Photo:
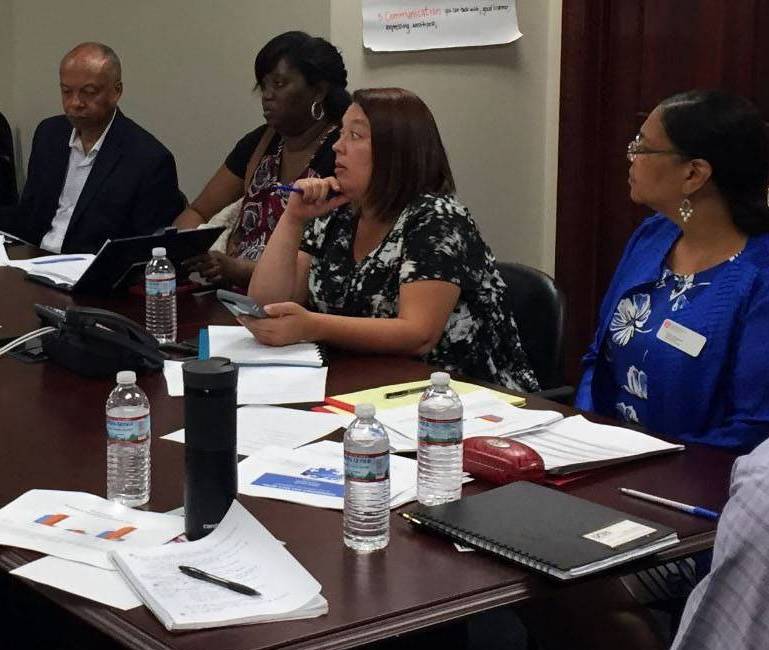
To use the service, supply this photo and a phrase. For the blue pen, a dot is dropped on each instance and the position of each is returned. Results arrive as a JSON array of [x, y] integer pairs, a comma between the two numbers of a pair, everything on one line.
[[676, 505], [59, 259], [299, 190]]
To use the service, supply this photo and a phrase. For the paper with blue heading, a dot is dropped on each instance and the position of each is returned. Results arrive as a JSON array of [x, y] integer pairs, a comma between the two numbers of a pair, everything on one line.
[[314, 475]]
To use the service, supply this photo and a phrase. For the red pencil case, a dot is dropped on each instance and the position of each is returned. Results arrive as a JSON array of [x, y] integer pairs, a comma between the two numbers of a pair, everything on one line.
[[501, 460]]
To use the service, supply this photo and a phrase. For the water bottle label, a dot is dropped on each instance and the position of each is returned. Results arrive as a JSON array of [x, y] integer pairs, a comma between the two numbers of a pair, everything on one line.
[[166, 287], [440, 432], [132, 429], [367, 467]]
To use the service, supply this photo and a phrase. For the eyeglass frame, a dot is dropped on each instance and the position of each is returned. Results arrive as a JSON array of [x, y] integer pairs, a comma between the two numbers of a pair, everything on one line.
[[635, 148]]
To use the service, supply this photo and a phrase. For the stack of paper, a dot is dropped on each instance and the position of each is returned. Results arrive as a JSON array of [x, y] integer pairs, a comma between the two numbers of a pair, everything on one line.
[[264, 426], [80, 526], [576, 444], [483, 415], [59, 269], [238, 345], [264, 384], [239, 550]]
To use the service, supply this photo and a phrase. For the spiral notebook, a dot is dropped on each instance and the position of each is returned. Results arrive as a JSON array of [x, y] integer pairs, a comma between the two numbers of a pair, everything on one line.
[[553, 532], [238, 345]]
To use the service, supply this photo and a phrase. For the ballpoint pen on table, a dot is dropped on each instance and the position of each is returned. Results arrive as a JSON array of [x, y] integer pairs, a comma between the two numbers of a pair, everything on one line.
[[59, 260], [407, 391], [199, 574], [676, 505]]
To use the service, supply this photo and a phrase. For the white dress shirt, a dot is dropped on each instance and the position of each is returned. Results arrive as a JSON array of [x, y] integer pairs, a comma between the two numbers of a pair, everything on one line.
[[78, 169]]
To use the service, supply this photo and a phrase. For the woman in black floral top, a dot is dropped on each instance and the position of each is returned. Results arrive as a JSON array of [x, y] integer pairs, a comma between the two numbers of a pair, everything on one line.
[[398, 265]]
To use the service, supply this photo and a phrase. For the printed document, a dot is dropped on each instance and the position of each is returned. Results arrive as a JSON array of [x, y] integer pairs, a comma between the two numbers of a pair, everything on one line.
[[575, 444], [60, 269], [314, 475], [81, 527], [483, 415], [264, 426], [240, 550]]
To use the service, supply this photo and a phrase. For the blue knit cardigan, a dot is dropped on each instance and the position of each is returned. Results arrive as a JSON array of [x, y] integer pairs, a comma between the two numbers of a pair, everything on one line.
[[720, 397]]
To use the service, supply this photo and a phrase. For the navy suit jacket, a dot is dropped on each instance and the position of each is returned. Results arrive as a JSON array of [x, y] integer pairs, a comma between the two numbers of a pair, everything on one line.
[[132, 188]]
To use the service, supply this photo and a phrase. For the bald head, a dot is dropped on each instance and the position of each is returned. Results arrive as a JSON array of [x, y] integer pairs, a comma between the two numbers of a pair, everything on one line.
[[96, 56], [90, 81]]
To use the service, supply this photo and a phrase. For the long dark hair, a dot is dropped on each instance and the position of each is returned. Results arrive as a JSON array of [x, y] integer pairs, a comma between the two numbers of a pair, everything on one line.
[[316, 59], [728, 132], [408, 157]]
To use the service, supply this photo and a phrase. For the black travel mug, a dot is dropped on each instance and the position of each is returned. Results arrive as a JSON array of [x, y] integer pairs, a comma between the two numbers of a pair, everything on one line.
[[210, 443]]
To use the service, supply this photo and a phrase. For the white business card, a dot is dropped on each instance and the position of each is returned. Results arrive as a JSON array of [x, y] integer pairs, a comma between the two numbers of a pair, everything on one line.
[[620, 533]]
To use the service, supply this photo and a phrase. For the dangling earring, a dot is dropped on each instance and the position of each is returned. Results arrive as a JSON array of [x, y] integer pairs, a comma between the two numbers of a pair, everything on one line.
[[686, 210], [317, 112]]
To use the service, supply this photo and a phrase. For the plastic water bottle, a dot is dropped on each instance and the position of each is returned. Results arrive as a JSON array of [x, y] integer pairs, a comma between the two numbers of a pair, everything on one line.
[[366, 482], [160, 289], [439, 454], [128, 442]]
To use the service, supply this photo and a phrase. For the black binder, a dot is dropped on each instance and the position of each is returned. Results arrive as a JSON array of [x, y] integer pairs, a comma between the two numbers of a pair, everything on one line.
[[541, 528]]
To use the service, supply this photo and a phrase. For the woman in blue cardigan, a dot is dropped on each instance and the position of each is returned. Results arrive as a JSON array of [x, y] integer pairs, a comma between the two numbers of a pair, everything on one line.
[[682, 345]]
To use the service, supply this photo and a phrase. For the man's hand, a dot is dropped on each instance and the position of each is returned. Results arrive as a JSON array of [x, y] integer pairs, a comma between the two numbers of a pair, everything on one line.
[[288, 323]]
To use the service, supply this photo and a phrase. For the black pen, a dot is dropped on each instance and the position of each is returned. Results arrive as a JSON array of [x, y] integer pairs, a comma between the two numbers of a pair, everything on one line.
[[192, 572], [406, 391]]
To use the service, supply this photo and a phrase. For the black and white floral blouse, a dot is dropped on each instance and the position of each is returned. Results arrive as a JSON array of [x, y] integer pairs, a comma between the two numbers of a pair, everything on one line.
[[434, 238]]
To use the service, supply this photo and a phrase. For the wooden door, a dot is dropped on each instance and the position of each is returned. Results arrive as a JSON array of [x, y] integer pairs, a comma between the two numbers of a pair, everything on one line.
[[619, 59]]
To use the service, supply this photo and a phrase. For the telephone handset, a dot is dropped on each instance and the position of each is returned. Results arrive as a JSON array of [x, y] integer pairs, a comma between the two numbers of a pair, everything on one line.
[[98, 343]]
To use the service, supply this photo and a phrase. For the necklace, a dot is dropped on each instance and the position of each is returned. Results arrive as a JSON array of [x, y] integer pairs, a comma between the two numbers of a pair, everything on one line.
[[294, 162]]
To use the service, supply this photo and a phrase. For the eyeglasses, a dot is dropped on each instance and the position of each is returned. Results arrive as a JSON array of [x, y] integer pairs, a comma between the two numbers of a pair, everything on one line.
[[635, 148]]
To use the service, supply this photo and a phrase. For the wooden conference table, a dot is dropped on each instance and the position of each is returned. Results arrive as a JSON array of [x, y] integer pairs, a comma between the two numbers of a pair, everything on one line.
[[52, 425]]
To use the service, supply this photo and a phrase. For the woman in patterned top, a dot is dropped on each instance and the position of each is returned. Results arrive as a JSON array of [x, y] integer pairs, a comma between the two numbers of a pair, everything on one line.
[[683, 337], [302, 80], [397, 265]]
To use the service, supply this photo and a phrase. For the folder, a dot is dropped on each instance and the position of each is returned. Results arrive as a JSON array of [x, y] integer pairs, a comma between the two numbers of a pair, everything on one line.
[[550, 531]]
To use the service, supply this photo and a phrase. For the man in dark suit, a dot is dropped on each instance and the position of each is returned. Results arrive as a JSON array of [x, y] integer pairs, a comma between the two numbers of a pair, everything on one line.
[[93, 173]]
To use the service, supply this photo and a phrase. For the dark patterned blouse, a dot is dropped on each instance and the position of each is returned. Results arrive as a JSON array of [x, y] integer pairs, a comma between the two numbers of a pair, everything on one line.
[[434, 238], [262, 204]]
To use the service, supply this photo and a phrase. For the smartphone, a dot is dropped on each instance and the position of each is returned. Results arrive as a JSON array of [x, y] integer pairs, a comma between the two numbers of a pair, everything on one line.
[[240, 305]]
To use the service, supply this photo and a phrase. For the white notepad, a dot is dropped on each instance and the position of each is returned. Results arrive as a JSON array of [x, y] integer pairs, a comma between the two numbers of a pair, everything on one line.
[[238, 345], [240, 550]]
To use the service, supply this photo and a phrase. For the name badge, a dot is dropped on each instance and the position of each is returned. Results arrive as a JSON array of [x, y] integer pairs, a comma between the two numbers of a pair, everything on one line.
[[681, 338]]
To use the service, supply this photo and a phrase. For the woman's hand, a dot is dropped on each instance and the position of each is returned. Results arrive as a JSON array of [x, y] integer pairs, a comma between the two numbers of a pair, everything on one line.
[[313, 201], [214, 266], [288, 323]]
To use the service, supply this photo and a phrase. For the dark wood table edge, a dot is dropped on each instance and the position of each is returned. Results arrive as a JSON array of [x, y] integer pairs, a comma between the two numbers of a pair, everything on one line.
[[109, 621]]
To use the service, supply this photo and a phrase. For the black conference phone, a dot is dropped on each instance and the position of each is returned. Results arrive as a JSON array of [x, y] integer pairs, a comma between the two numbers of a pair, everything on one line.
[[98, 343]]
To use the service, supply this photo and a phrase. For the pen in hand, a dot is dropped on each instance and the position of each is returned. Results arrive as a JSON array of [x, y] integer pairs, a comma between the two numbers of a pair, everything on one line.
[[290, 188], [199, 574], [676, 505]]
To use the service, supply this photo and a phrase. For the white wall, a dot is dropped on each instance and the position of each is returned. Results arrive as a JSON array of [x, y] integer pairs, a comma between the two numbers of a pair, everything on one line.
[[187, 65], [497, 110], [187, 71]]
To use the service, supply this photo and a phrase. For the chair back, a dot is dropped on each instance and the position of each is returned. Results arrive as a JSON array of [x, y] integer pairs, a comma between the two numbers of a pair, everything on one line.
[[539, 311], [8, 193]]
